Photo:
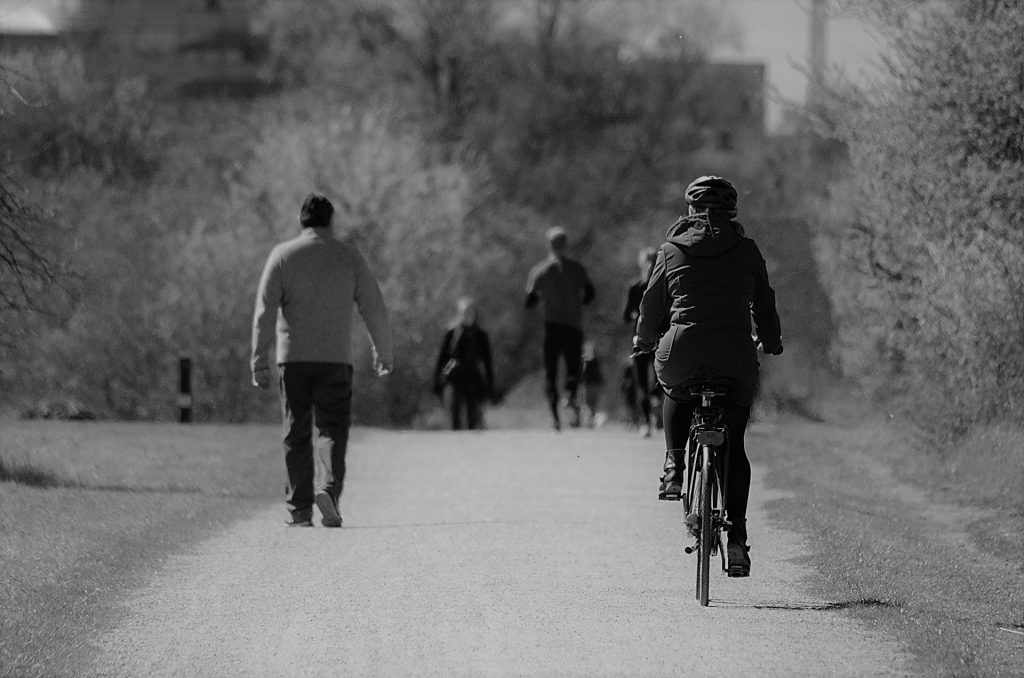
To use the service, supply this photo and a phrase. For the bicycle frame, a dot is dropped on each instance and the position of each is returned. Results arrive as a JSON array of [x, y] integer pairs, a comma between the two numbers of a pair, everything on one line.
[[707, 447]]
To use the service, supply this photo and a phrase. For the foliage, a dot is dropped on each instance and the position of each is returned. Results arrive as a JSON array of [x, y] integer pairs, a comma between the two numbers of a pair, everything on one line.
[[926, 238], [450, 137]]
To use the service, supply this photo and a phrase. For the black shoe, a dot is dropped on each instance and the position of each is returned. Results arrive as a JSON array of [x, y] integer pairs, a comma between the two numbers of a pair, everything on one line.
[[300, 521], [325, 502], [739, 559], [671, 488]]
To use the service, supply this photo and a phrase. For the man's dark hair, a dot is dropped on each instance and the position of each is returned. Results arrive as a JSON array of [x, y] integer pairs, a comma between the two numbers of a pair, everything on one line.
[[316, 212]]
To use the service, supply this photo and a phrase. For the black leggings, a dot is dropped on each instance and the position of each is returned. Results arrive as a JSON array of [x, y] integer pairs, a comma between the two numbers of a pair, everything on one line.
[[562, 341], [678, 414]]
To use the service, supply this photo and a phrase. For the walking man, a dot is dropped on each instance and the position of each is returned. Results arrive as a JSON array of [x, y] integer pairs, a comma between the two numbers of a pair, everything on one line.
[[564, 287], [308, 289]]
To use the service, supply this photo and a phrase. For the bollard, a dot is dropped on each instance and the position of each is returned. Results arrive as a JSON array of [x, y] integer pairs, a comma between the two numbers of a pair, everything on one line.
[[185, 390]]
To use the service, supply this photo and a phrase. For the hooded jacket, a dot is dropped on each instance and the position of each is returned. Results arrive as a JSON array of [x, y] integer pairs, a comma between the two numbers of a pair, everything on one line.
[[708, 281]]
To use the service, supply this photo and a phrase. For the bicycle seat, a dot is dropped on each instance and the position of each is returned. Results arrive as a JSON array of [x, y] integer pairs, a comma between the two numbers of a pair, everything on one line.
[[710, 387]]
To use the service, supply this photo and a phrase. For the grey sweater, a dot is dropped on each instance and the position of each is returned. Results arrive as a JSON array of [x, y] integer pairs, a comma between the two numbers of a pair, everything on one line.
[[309, 287]]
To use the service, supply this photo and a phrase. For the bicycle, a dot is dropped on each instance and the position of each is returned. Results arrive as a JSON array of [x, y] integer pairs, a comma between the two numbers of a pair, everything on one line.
[[706, 452]]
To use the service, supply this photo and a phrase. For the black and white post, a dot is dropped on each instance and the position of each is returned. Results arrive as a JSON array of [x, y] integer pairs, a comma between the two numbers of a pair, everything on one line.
[[185, 390]]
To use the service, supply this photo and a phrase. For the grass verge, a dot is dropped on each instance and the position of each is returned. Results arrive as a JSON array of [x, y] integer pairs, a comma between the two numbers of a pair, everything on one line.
[[890, 521], [88, 510]]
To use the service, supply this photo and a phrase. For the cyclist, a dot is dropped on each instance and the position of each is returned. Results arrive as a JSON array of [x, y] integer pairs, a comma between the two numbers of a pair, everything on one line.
[[708, 280]]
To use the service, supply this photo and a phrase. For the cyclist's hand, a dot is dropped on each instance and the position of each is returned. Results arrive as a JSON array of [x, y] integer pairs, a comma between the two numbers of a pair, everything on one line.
[[772, 350], [261, 378], [639, 350]]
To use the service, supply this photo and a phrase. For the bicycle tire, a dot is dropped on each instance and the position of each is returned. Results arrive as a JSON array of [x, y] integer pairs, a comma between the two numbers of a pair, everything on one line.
[[694, 508], [706, 538]]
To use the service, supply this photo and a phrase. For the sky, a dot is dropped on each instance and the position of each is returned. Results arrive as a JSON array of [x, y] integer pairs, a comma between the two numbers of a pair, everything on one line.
[[776, 32]]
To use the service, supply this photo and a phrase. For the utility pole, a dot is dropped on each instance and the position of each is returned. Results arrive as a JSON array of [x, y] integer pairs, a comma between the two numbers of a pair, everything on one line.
[[817, 52]]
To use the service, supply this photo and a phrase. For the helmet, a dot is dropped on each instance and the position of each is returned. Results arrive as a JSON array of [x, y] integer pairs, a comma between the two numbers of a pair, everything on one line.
[[712, 193]]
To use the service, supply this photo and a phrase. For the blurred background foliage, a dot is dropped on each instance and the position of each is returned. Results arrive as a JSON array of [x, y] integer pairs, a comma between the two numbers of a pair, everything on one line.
[[451, 136]]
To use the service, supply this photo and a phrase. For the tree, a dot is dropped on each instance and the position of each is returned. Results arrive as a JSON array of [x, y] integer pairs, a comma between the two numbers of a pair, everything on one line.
[[928, 239], [29, 263]]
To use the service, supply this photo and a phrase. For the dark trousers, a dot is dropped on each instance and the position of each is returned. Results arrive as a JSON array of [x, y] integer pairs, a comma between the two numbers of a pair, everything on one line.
[[320, 392], [466, 398], [678, 414], [642, 364], [562, 341]]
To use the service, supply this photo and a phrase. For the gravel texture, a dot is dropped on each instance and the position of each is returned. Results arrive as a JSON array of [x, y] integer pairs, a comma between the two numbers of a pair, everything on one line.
[[487, 554]]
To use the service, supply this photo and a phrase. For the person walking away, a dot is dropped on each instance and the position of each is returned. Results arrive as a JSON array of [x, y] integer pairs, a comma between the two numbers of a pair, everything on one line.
[[564, 288], [309, 287], [628, 390], [642, 363], [593, 382], [708, 281], [464, 367]]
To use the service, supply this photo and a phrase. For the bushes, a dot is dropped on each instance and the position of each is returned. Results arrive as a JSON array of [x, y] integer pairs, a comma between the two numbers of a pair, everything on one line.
[[927, 238]]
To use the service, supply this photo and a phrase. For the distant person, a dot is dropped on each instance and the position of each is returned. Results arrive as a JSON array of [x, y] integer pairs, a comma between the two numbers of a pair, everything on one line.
[[628, 390], [643, 363], [563, 286], [708, 280], [593, 383], [464, 367], [309, 287]]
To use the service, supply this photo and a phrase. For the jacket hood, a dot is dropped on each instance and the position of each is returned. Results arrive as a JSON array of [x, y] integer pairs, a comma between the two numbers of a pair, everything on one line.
[[706, 234]]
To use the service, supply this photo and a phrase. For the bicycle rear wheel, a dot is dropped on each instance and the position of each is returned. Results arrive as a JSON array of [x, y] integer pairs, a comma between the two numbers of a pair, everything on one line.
[[707, 540]]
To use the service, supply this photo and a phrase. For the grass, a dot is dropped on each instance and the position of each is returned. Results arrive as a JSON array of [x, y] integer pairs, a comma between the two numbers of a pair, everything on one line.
[[905, 528], [88, 509]]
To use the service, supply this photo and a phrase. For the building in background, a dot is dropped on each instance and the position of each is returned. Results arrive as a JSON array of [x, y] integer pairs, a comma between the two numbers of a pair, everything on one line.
[[731, 108], [180, 46]]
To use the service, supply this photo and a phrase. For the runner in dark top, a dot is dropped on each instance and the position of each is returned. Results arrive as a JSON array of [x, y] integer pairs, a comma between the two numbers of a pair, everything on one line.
[[464, 367], [564, 287], [643, 362], [708, 280]]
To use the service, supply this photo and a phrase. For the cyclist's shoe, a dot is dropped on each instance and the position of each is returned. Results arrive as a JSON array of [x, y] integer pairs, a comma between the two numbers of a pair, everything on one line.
[[300, 521], [739, 559], [671, 488], [329, 509]]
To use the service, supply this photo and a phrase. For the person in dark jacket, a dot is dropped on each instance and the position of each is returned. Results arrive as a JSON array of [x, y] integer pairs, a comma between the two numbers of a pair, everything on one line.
[[464, 367], [708, 280], [563, 286], [643, 362]]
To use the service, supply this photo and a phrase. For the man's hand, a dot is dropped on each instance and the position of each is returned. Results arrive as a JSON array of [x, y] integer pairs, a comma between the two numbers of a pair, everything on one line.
[[261, 377], [382, 367], [772, 350]]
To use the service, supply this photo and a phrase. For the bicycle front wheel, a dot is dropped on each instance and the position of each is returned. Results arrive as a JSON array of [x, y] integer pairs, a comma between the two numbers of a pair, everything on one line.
[[707, 541]]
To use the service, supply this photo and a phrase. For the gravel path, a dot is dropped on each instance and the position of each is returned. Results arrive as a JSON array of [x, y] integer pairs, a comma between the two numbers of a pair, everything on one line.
[[488, 554]]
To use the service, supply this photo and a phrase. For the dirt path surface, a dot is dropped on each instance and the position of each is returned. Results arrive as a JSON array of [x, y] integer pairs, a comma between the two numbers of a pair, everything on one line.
[[494, 554]]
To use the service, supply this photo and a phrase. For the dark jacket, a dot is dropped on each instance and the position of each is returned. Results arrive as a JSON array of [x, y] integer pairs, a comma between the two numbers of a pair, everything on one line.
[[708, 280], [470, 348], [633, 296]]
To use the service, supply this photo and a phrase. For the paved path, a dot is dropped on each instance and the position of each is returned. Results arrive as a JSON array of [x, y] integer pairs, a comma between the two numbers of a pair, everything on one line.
[[487, 554]]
